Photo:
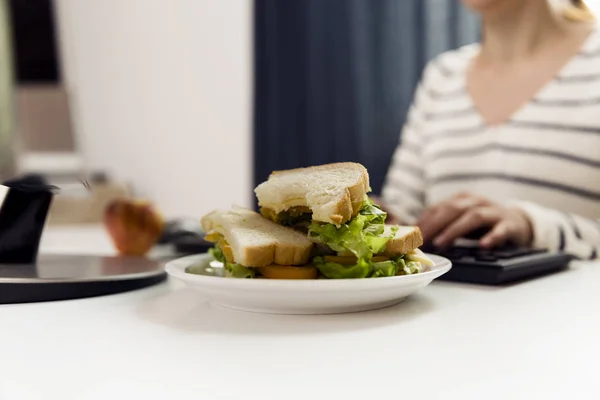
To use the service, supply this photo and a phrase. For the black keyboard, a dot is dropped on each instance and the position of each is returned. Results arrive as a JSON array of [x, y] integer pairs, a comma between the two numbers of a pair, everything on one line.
[[473, 264]]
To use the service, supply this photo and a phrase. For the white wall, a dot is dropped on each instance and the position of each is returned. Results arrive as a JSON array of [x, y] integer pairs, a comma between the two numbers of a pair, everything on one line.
[[162, 96], [594, 5]]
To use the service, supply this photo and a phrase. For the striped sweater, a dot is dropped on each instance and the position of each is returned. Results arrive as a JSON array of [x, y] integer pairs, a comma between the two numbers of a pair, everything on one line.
[[545, 159]]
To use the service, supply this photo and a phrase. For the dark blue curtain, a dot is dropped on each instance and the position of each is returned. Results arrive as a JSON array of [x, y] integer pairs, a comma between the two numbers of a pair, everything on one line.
[[334, 78]]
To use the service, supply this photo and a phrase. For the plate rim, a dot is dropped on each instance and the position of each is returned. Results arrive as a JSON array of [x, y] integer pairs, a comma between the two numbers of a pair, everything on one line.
[[176, 269]]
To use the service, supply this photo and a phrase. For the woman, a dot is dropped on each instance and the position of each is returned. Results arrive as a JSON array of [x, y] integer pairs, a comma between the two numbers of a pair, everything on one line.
[[506, 134]]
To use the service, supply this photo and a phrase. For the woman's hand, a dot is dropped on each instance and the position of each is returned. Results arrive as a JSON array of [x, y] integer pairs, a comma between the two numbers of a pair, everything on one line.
[[435, 219], [462, 214]]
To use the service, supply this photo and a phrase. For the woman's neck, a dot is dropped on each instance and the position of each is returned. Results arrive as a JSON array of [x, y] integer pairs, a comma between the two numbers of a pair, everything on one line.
[[519, 31]]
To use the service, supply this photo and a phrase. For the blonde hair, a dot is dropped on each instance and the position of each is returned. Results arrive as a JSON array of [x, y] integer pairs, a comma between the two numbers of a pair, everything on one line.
[[578, 11]]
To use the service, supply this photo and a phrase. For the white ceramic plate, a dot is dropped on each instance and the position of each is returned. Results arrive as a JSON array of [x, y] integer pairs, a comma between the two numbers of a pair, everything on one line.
[[320, 296]]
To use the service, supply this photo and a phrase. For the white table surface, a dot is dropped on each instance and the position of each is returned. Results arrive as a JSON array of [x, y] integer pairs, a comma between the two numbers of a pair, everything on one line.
[[535, 340]]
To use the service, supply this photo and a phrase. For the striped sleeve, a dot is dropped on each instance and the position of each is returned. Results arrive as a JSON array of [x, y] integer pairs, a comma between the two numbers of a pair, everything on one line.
[[404, 188], [559, 231]]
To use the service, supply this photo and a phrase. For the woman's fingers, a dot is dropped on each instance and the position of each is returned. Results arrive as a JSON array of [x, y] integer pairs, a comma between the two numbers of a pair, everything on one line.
[[469, 221], [437, 220], [426, 215], [439, 217], [498, 236]]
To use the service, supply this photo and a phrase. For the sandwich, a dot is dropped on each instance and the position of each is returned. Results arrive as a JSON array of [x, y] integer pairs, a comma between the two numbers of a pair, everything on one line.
[[250, 246], [330, 193], [331, 204], [315, 222]]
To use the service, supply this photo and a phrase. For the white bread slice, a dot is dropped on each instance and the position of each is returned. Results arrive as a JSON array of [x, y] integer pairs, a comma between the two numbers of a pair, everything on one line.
[[407, 239], [255, 241], [333, 192]]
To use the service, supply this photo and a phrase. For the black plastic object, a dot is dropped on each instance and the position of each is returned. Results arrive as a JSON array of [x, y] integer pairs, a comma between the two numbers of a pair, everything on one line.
[[191, 245], [180, 228], [186, 236], [473, 264], [62, 277], [24, 208], [30, 293]]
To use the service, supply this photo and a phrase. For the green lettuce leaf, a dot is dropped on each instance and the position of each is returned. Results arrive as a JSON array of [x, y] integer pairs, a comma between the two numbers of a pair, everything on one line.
[[363, 235], [377, 243], [217, 253], [239, 271], [374, 212], [409, 268], [384, 268], [414, 267], [362, 269], [332, 270], [235, 270]]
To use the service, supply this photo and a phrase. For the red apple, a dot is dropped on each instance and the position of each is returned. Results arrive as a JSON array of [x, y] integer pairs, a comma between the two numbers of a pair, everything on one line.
[[133, 225]]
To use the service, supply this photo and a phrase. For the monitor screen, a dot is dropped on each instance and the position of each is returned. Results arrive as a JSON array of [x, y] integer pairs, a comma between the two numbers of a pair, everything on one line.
[[34, 41]]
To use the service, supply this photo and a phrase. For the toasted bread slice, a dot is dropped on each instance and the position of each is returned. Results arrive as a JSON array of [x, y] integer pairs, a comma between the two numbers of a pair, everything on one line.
[[255, 241], [407, 239], [333, 192]]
